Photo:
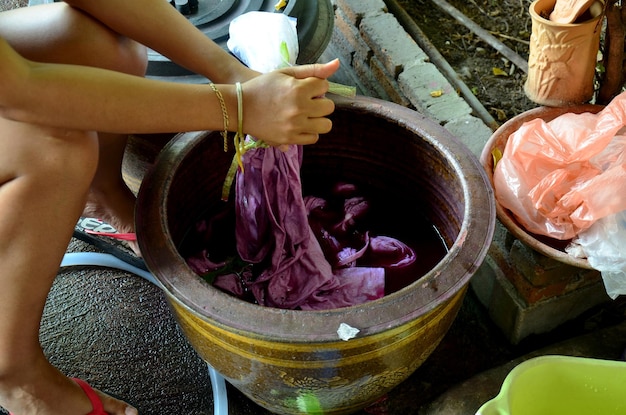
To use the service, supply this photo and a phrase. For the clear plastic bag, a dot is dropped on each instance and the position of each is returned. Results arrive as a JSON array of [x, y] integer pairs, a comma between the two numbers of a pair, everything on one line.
[[558, 177], [603, 246]]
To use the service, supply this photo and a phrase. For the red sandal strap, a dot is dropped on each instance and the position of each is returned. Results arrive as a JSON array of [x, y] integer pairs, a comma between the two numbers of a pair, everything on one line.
[[114, 235], [94, 398]]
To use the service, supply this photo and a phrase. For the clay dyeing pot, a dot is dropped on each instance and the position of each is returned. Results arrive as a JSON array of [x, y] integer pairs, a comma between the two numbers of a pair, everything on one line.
[[292, 361]]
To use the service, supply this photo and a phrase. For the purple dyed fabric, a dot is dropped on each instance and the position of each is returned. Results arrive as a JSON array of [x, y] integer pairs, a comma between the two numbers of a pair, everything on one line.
[[308, 253], [272, 227]]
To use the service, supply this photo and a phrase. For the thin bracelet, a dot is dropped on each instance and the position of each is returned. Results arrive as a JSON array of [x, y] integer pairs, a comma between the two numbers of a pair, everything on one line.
[[220, 98], [239, 137], [239, 108]]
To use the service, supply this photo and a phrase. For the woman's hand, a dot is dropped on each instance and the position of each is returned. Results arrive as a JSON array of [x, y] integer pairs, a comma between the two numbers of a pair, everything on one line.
[[287, 106]]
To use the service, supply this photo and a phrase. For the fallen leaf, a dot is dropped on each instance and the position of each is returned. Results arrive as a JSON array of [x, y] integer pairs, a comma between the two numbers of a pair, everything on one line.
[[500, 113], [496, 154], [499, 72]]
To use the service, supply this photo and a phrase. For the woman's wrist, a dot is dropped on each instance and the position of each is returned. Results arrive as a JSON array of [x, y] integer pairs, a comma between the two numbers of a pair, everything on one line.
[[230, 72]]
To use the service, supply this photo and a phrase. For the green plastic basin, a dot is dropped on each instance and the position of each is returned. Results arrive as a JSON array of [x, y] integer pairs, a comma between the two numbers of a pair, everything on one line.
[[561, 385]]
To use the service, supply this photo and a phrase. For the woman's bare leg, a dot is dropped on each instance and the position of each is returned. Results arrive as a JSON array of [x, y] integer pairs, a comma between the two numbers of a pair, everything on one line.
[[86, 43], [45, 176], [44, 179]]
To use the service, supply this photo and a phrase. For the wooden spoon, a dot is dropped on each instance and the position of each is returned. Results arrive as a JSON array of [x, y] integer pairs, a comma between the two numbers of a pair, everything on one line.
[[567, 11]]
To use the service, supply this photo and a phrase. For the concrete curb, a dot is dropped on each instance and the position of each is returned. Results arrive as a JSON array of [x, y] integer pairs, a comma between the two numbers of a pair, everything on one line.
[[386, 63]]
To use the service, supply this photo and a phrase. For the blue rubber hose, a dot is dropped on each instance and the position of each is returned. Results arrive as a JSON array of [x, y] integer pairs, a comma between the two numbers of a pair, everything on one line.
[[218, 384]]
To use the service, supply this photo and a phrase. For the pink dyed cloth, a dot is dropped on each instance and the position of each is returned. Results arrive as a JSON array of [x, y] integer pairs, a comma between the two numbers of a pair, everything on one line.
[[312, 255], [272, 226]]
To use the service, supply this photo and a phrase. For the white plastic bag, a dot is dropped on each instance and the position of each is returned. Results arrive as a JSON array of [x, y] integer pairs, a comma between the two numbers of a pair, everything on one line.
[[603, 244], [264, 41]]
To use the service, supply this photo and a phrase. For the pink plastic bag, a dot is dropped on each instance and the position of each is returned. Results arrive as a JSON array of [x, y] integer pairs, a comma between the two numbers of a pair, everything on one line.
[[559, 177]]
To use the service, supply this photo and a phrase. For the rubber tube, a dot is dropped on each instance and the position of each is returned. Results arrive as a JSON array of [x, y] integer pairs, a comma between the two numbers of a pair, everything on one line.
[[220, 398], [218, 384], [106, 260]]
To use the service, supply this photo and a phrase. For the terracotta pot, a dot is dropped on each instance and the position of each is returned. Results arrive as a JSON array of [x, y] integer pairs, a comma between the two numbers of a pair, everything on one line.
[[563, 57], [549, 247], [285, 360]]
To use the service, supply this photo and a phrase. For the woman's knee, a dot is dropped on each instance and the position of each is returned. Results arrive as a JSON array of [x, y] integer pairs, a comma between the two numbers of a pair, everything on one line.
[[70, 159], [53, 158], [92, 43], [134, 58], [59, 33]]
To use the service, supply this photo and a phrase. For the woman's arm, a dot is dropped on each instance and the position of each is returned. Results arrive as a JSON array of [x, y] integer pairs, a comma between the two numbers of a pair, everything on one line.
[[158, 25], [280, 107]]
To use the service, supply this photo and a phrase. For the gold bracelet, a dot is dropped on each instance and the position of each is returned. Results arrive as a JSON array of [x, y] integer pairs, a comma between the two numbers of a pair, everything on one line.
[[220, 98], [239, 108], [239, 136]]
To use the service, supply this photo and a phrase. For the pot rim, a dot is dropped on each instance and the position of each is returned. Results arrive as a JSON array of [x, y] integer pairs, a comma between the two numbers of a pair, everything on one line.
[[440, 284], [532, 10]]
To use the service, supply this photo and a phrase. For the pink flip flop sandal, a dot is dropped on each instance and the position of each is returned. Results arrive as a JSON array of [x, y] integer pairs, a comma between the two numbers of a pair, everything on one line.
[[106, 238]]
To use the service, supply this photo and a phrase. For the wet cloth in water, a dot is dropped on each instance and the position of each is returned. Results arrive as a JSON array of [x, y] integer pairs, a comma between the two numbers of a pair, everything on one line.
[[308, 253], [272, 227]]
